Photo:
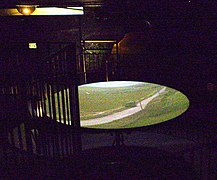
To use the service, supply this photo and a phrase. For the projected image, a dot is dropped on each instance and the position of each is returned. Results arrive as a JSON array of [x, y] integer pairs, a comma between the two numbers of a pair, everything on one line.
[[128, 104]]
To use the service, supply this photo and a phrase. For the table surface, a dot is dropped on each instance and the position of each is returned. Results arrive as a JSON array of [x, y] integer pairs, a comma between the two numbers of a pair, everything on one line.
[[128, 104]]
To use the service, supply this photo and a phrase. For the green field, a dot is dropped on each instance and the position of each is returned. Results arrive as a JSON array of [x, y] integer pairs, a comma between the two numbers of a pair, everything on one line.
[[98, 103], [165, 107]]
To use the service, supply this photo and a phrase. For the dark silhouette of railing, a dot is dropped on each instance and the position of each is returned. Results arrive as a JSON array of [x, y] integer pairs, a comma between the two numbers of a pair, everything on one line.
[[50, 95]]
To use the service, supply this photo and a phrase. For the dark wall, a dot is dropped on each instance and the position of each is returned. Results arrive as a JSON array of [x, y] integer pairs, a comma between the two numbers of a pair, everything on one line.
[[40, 28]]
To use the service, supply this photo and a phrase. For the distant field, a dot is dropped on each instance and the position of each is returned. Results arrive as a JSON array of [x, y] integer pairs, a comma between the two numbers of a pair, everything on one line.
[[98, 103]]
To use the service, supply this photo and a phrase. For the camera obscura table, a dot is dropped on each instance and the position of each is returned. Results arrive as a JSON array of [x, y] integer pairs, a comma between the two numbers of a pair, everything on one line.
[[128, 104], [119, 105]]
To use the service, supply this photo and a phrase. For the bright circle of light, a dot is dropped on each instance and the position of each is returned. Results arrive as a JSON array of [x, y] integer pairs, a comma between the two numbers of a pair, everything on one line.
[[26, 11]]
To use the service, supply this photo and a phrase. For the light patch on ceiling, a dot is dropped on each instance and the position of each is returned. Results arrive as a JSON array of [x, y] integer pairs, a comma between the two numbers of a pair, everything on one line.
[[99, 41], [45, 11]]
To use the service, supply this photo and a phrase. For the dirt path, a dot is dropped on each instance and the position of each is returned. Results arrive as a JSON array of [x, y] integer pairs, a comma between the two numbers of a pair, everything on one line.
[[121, 114]]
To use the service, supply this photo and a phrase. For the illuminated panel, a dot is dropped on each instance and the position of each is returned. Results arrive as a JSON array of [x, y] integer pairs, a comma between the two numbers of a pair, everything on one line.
[[32, 46], [41, 11]]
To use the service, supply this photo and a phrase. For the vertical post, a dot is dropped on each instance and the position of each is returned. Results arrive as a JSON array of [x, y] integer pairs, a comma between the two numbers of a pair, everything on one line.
[[107, 70], [73, 97], [119, 139], [117, 60], [84, 62], [28, 136], [81, 54], [117, 53]]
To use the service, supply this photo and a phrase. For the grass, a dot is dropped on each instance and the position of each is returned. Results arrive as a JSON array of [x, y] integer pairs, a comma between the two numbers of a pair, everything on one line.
[[166, 106], [98, 102]]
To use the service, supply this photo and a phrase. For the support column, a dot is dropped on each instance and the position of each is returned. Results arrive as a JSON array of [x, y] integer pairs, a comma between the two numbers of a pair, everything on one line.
[[73, 82]]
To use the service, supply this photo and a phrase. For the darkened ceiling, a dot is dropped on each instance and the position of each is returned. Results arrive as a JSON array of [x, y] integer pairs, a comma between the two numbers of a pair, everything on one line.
[[166, 16], [150, 7], [52, 2]]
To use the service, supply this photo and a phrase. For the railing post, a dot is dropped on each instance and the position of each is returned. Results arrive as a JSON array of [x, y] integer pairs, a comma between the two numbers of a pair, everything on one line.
[[28, 136], [117, 53], [82, 67], [73, 97]]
